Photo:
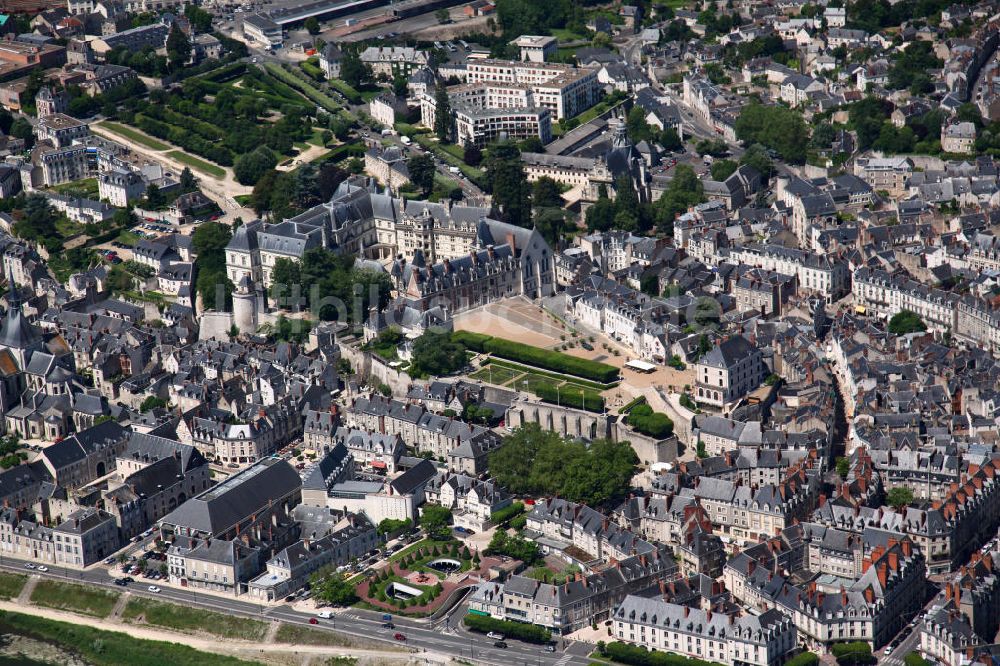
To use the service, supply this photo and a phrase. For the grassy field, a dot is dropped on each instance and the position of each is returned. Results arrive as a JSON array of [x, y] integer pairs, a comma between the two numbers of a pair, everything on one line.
[[553, 377], [201, 165], [11, 585], [299, 635], [111, 648], [133, 135], [192, 620], [303, 86], [74, 598]]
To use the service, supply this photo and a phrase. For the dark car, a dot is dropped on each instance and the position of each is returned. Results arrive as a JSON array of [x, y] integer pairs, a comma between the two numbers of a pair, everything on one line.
[[500, 644], [399, 637], [313, 620], [388, 625]]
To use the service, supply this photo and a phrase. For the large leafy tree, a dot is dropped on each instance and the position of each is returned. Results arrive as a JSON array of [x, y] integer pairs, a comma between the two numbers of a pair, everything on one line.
[[684, 191], [540, 462], [435, 520], [510, 187], [354, 72], [421, 168], [178, 47], [209, 242], [776, 127], [436, 354]]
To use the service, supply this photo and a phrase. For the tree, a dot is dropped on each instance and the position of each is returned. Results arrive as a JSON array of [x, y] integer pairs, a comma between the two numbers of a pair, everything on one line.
[[422, 170], [843, 467], [685, 190], [152, 402], [899, 497], [510, 188], [154, 198], [252, 166], [188, 182], [516, 547], [546, 193], [637, 126], [601, 216], [756, 156], [472, 155], [776, 127], [435, 354], [670, 139], [200, 19], [285, 279], [442, 114], [435, 521], [354, 72], [178, 47], [333, 589], [209, 242], [905, 322], [443, 16], [21, 129], [311, 25], [803, 659], [722, 169]]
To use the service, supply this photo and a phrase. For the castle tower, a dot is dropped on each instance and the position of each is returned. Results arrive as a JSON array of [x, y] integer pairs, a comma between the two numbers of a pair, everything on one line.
[[245, 307]]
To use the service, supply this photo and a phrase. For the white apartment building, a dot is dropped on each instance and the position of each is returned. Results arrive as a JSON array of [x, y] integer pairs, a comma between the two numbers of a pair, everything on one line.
[[823, 275], [564, 90], [120, 186]]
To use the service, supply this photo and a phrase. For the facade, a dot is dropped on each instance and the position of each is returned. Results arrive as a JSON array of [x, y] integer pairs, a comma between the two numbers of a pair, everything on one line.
[[564, 90], [727, 373], [120, 186], [758, 640], [958, 137]]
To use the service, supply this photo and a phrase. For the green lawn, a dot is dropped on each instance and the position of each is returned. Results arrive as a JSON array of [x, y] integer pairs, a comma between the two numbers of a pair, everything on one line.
[[75, 598], [564, 35], [11, 585], [208, 168], [67, 228], [133, 135], [553, 377], [192, 620], [495, 375], [432, 144], [594, 111], [243, 199], [87, 188], [111, 648], [414, 547], [304, 87]]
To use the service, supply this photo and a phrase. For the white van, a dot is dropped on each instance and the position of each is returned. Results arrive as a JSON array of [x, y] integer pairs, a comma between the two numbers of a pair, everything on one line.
[[324, 615]]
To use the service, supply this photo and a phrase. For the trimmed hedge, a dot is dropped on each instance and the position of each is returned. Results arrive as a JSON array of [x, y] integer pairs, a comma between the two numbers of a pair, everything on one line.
[[650, 423], [640, 656], [529, 633], [508, 512], [474, 341], [536, 356]]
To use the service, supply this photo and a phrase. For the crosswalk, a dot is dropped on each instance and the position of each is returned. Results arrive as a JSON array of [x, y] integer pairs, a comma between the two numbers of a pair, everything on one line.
[[564, 660]]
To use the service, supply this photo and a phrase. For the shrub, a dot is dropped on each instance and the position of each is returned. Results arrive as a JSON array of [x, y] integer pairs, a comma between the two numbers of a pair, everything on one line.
[[650, 423], [639, 656], [506, 513], [571, 396], [474, 341]]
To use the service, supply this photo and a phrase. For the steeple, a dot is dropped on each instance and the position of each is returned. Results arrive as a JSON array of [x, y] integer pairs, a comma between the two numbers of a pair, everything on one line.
[[16, 333]]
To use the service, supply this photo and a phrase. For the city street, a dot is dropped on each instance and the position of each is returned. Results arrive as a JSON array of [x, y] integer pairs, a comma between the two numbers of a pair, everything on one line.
[[421, 636]]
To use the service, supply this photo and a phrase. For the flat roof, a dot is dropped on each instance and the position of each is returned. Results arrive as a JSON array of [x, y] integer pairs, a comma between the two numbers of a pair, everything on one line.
[[641, 366]]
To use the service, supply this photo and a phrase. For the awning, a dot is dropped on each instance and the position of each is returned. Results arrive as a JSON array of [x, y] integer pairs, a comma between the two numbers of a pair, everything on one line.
[[641, 366], [378, 464], [860, 309]]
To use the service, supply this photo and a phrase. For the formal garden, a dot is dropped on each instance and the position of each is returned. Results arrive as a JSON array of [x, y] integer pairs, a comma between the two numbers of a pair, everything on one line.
[[419, 581]]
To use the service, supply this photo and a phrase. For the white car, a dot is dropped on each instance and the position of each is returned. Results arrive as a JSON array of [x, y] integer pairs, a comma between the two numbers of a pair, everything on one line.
[[324, 615], [43, 568], [29, 565], [154, 589], [494, 636]]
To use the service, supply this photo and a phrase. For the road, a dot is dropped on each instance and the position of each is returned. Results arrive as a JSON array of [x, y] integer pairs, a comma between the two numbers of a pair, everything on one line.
[[445, 637]]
